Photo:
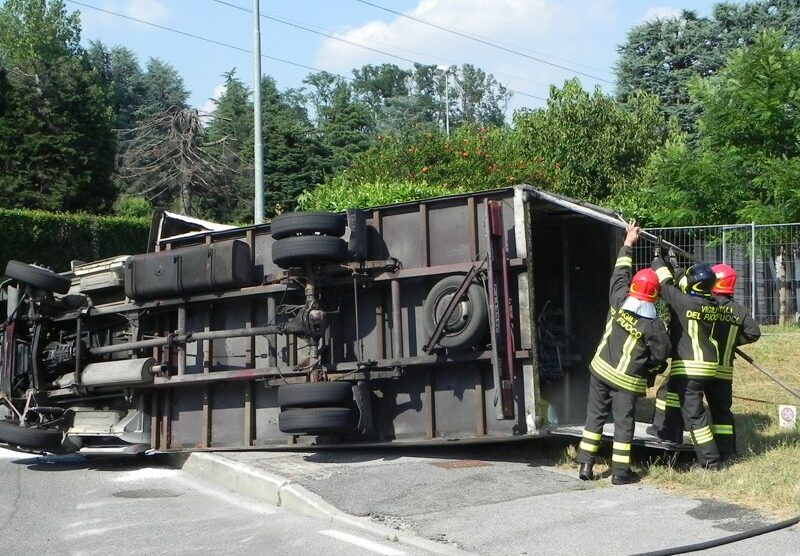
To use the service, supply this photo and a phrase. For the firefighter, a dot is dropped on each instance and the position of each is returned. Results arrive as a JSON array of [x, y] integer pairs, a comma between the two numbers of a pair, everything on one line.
[[736, 328], [635, 343], [693, 312]]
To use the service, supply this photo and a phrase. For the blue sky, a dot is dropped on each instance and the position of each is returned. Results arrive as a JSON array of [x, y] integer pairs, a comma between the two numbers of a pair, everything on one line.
[[581, 35]]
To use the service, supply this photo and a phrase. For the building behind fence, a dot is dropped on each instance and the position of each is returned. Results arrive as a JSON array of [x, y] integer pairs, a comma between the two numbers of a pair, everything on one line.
[[765, 258]]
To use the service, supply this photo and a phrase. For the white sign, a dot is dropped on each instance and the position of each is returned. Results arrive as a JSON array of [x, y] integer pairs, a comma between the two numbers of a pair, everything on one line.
[[787, 416]]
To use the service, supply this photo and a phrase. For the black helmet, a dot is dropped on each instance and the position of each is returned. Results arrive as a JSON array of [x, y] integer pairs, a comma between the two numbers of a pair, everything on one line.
[[698, 279]]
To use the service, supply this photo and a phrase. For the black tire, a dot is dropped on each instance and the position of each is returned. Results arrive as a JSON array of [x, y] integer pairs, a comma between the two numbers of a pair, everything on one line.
[[37, 277], [24, 437], [315, 394], [470, 319], [318, 420], [307, 223], [295, 251]]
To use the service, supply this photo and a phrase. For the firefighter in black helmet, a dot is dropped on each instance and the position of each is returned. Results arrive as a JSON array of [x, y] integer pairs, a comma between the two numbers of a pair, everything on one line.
[[635, 344], [693, 312], [734, 327]]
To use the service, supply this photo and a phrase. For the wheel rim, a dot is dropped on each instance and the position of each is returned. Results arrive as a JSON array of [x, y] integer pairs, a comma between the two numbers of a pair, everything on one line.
[[462, 313]]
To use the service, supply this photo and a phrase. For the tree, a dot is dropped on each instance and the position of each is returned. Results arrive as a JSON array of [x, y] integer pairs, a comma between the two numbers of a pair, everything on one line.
[[123, 80], [56, 144], [375, 84], [346, 126], [293, 152], [661, 56], [594, 145], [745, 163], [165, 157], [163, 88], [483, 101], [230, 135]]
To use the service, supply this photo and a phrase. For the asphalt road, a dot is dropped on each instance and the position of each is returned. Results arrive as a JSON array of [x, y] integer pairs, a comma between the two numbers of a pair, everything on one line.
[[69, 505], [502, 500]]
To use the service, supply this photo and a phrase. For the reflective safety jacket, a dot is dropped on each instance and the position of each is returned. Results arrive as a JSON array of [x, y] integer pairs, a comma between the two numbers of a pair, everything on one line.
[[632, 346], [736, 329], [694, 349]]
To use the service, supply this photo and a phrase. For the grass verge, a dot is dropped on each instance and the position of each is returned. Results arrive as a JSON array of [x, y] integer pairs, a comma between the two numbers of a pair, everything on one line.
[[766, 475]]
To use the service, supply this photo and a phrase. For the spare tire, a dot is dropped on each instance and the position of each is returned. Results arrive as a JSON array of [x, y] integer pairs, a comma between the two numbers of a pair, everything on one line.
[[297, 250], [38, 277], [313, 394], [307, 223], [317, 420], [470, 319], [25, 437]]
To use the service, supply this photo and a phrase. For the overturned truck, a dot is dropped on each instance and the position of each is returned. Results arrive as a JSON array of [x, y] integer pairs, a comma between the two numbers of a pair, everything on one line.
[[463, 317]]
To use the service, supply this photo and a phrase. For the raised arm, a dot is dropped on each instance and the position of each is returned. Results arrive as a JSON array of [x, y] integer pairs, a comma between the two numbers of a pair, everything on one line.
[[749, 332], [623, 267]]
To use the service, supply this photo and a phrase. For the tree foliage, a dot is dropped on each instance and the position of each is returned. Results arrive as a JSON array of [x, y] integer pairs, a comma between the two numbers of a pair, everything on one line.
[[56, 144], [583, 144], [744, 165], [662, 55], [593, 145]]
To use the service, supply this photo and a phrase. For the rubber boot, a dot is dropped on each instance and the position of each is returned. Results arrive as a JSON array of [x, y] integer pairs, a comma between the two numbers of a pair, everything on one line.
[[586, 472], [626, 477]]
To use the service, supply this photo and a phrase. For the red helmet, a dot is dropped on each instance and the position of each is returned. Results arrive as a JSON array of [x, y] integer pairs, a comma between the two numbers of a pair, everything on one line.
[[644, 285], [726, 279]]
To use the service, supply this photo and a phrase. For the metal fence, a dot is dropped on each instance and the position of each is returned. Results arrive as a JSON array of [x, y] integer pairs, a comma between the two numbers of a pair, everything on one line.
[[765, 257]]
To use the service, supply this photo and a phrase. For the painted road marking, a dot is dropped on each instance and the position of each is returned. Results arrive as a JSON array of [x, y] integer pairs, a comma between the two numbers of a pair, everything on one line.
[[362, 542]]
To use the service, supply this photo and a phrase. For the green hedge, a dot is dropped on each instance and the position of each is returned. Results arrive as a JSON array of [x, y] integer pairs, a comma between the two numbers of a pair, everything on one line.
[[54, 239]]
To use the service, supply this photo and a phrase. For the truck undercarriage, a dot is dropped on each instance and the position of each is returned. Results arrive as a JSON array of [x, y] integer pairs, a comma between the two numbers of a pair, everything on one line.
[[463, 317]]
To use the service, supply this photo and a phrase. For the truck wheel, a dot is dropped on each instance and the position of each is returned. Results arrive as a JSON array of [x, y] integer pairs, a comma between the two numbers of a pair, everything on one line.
[[313, 394], [297, 250], [470, 319], [24, 437], [317, 420], [37, 277], [307, 223]]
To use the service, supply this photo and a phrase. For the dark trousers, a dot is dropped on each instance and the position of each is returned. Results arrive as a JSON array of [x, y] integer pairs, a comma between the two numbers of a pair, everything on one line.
[[690, 393], [605, 399], [719, 395], [668, 419]]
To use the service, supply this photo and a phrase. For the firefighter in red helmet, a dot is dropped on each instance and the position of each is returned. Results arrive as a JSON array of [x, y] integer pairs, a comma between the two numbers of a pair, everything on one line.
[[737, 328], [635, 344]]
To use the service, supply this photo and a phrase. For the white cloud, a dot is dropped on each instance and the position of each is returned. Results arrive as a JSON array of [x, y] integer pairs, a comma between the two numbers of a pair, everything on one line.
[[210, 106], [553, 31], [153, 11], [661, 12]]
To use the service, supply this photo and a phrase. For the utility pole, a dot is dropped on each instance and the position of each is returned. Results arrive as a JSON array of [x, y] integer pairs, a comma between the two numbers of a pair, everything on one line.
[[258, 141], [447, 71]]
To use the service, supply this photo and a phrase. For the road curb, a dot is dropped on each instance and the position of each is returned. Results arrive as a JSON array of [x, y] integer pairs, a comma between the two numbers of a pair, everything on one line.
[[279, 491]]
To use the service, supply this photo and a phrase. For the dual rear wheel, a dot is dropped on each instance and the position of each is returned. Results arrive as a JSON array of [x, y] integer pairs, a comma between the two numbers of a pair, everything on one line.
[[317, 408]]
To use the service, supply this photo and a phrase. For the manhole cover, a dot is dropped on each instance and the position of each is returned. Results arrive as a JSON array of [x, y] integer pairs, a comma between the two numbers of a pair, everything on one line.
[[147, 493], [460, 464]]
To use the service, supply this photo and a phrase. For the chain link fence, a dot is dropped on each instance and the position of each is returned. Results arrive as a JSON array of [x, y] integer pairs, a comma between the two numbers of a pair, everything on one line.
[[765, 258]]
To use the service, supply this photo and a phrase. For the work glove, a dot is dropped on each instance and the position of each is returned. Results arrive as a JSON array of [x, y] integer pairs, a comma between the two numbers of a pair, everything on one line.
[[657, 252], [673, 259]]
